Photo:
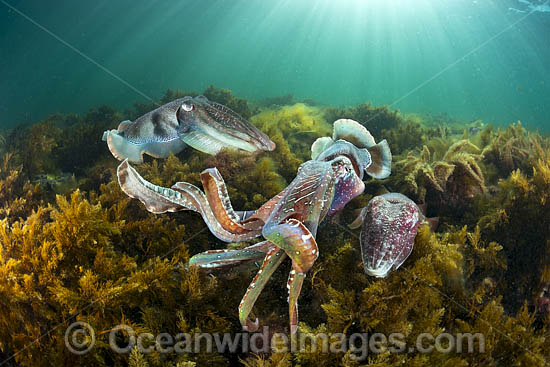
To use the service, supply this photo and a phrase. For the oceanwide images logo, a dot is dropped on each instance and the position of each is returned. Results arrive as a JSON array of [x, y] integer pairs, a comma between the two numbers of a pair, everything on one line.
[[80, 338]]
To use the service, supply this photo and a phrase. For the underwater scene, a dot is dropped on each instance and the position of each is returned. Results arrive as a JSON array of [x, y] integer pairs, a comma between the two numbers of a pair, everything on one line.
[[275, 183]]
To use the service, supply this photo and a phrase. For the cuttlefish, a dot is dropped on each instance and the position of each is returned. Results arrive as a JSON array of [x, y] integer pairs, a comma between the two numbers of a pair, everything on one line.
[[195, 121], [389, 224], [288, 222]]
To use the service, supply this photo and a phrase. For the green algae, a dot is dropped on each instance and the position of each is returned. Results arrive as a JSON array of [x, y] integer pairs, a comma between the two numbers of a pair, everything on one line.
[[97, 256]]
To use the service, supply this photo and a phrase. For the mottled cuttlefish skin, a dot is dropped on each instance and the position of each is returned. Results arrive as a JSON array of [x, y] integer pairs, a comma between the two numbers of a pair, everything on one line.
[[288, 221], [209, 126], [155, 134], [204, 125], [389, 226]]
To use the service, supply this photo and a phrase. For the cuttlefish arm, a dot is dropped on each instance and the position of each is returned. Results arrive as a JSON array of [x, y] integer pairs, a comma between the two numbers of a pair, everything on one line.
[[222, 221], [154, 133], [209, 126], [291, 227], [320, 189]]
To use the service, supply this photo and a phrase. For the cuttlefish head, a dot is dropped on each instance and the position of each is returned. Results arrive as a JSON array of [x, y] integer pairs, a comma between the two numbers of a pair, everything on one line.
[[352, 140], [208, 126], [347, 183]]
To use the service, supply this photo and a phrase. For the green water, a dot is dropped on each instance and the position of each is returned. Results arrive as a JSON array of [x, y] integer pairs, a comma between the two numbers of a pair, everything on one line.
[[470, 59]]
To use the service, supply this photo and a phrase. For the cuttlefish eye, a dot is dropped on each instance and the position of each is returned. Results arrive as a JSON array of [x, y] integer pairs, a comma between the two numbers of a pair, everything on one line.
[[187, 107]]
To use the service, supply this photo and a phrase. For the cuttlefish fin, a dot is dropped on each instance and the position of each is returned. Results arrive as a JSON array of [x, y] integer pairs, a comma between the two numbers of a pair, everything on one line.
[[124, 125], [358, 222], [433, 223], [155, 198], [121, 148], [320, 145], [353, 132], [180, 196], [381, 160], [202, 142]]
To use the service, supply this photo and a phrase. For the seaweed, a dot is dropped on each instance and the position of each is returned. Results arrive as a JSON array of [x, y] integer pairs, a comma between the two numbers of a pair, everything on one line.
[[97, 256], [285, 100], [34, 145], [61, 265], [446, 177], [374, 118], [407, 135], [18, 196], [225, 97], [296, 126], [432, 293], [517, 218], [511, 148]]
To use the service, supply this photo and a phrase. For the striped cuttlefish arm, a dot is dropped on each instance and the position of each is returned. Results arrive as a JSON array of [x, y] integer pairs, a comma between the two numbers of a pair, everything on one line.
[[214, 207]]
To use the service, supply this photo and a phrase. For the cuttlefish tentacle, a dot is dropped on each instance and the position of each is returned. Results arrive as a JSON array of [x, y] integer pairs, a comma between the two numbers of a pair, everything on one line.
[[296, 240], [181, 196], [218, 259], [272, 260], [294, 285]]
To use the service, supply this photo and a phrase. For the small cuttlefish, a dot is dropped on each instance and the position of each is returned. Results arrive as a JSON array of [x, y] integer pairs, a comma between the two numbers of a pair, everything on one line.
[[389, 226], [204, 125]]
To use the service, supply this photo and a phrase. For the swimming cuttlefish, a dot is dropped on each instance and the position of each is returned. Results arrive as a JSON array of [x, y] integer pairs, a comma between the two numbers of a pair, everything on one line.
[[204, 125], [389, 225], [288, 222]]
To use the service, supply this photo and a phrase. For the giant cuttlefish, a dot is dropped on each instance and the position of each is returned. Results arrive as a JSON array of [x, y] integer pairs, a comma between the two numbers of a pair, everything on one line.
[[389, 225], [204, 125], [288, 221]]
